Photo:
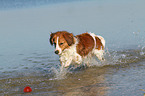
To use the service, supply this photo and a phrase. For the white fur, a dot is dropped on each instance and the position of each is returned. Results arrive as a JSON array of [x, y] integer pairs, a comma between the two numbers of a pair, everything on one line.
[[98, 53], [57, 46], [93, 35], [70, 55], [102, 40]]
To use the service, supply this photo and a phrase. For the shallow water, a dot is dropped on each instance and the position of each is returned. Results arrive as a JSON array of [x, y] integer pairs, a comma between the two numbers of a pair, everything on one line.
[[27, 59]]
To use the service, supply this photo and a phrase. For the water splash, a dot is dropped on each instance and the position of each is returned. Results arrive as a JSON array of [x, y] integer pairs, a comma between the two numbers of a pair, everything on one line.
[[142, 51], [125, 56], [112, 57], [59, 73]]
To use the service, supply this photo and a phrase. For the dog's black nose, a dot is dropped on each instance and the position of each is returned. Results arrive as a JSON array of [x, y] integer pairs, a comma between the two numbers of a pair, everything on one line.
[[56, 52]]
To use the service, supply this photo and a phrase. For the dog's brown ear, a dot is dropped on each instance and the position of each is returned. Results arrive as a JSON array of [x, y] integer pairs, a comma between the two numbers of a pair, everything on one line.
[[51, 38], [69, 38]]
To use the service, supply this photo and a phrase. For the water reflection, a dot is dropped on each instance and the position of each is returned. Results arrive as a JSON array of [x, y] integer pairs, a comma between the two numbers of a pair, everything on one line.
[[89, 82]]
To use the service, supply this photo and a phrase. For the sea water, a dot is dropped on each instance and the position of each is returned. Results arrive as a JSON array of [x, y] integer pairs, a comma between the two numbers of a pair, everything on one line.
[[28, 59]]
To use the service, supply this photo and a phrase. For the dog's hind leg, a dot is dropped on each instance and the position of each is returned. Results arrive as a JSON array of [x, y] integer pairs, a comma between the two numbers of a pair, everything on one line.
[[99, 54]]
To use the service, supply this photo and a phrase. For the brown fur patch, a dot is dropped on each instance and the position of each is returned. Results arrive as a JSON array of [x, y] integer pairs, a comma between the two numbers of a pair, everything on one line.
[[64, 37], [69, 38], [51, 38], [85, 44], [99, 44]]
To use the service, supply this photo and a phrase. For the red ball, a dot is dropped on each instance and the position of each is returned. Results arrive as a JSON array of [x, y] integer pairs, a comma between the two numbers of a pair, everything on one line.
[[27, 89]]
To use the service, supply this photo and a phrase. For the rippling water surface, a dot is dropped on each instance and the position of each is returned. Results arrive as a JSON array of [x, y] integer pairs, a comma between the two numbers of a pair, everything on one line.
[[27, 59]]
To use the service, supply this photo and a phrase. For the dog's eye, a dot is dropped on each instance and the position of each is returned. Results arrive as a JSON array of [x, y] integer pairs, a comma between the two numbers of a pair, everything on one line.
[[61, 43]]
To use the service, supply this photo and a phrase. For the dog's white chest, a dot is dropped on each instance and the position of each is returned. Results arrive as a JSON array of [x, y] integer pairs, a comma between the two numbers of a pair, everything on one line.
[[70, 55]]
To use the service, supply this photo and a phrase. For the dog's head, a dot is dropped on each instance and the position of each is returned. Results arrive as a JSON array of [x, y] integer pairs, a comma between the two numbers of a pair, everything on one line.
[[61, 40]]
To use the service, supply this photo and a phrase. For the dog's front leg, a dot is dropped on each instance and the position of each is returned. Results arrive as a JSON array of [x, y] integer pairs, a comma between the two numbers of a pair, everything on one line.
[[66, 63]]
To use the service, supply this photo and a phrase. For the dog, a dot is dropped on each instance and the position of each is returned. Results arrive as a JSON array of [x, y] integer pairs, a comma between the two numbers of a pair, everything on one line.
[[75, 49]]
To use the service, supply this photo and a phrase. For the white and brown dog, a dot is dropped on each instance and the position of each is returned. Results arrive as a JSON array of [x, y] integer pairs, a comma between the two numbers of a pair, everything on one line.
[[76, 48]]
